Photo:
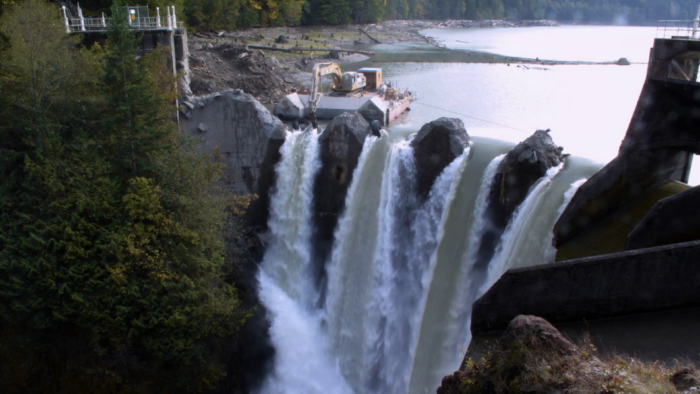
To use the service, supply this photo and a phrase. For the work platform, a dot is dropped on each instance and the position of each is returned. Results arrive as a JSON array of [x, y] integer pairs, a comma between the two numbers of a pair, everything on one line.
[[138, 18]]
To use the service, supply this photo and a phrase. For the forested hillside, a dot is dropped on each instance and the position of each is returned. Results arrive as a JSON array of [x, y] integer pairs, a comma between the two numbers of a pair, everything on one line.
[[113, 275], [232, 14], [237, 14]]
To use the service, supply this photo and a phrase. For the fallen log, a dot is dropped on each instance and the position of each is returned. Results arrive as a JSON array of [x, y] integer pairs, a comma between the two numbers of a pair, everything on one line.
[[264, 48], [301, 49], [370, 37]]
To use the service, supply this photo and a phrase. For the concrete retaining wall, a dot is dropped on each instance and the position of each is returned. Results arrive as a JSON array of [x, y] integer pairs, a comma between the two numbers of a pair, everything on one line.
[[627, 283]]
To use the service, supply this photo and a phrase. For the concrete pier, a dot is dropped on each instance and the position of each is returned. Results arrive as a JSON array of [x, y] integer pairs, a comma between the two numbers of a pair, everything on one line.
[[661, 139]]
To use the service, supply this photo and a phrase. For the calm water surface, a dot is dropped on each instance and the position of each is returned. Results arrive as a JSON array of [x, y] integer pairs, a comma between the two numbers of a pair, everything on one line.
[[567, 43], [587, 107]]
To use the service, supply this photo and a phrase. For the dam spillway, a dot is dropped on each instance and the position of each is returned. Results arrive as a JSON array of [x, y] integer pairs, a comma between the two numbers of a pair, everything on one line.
[[392, 314]]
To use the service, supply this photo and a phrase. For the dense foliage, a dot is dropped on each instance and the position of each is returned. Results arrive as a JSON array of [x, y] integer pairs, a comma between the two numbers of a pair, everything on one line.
[[111, 248], [216, 14], [236, 14]]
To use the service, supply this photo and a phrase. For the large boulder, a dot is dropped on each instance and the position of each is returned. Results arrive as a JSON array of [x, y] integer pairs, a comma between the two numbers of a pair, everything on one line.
[[532, 356], [340, 146], [289, 108], [435, 146], [245, 135], [534, 332], [518, 171]]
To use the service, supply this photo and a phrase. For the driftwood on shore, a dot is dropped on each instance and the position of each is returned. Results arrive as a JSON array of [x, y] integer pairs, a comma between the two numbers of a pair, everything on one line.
[[370, 37], [301, 49]]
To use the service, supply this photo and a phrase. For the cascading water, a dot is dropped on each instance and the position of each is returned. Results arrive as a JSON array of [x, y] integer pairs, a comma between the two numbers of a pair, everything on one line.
[[286, 288], [401, 276]]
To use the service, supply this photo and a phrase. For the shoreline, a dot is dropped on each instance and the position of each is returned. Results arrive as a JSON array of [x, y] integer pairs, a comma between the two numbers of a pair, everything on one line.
[[318, 43], [270, 62]]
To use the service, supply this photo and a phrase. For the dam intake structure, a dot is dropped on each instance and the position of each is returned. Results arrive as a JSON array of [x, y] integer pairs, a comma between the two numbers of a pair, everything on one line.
[[386, 309], [627, 243]]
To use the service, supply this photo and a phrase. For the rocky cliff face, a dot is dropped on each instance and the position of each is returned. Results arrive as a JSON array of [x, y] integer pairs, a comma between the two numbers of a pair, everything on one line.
[[519, 170], [247, 137], [436, 145], [340, 146]]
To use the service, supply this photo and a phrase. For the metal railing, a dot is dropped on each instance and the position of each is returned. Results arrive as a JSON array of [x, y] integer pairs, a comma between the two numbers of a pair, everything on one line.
[[677, 29], [96, 24], [686, 29]]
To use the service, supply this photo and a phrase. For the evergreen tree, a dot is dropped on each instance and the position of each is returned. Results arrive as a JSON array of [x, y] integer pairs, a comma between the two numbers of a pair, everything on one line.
[[111, 252]]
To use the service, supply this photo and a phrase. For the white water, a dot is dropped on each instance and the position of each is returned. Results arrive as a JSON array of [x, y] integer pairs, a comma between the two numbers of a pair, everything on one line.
[[401, 277], [286, 288]]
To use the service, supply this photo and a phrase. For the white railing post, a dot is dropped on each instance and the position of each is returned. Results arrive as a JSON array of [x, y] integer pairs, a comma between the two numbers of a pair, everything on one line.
[[170, 21], [695, 24], [65, 19], [104, 22], [174, 19], [82, 20], [158, 16]]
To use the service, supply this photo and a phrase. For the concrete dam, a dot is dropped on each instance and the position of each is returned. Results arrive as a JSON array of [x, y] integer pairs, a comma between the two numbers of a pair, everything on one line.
[[385, 255], [374, 253], [627, 244]]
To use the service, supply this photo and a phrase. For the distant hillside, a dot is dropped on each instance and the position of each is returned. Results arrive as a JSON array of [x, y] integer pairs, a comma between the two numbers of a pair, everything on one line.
[[236, 14]]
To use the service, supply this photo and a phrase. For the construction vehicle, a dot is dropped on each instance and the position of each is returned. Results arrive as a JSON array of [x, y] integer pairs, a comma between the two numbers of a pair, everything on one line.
[[320, 70], [362, 91]]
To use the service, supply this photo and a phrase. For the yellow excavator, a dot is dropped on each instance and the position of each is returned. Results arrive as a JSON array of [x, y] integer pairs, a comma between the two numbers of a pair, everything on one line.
[[345, 82]]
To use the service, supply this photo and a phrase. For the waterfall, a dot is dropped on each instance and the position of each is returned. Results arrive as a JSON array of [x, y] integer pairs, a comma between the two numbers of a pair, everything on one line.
[[521, 225], [550, 252], [352, 262], [287, 257], [444, 331], [401, 275], [301, 364]]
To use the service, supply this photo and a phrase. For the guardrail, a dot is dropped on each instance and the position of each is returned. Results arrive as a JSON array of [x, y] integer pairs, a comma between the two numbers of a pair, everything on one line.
[[96, 24], [686, 29], [678, 29]]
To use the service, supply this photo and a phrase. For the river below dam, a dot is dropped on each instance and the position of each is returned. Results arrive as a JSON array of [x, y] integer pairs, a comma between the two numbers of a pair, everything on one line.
[[393, 315]]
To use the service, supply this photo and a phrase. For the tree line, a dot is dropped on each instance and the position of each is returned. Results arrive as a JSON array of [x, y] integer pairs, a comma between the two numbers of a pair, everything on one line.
[[239, 14], [234, 14]]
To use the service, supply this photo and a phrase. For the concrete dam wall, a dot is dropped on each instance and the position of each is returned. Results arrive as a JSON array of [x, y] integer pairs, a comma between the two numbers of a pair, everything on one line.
[[628, 243]]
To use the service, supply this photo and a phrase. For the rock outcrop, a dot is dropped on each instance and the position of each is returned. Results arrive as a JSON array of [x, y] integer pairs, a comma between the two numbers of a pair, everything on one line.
[[519, 170], [245, 135], [340, 146], [289, 108], [533, 356], [533, 331], [436, 145]]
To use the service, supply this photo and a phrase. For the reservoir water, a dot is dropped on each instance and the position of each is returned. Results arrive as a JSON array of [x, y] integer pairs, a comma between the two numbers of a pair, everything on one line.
[[403, 272], [587, 107]]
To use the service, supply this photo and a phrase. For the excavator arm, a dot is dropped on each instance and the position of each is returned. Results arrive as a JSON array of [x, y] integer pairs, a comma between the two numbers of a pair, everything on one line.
[[320, 70]]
